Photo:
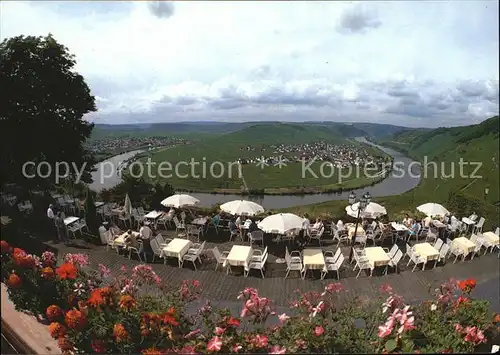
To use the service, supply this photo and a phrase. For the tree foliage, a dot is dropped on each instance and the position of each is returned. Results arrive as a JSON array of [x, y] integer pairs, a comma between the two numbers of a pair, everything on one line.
[[43, 102]]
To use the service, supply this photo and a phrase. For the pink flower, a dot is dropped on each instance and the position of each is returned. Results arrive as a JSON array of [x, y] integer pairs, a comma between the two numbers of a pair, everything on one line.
[[474, 335], [392, 302], [459, 328], [192, 334], [219, 331], [301, 344], [195, 283], [386, 288], [406, 320], [318, 331], [333, 288], [386, 329], [318, 309], [104, 271], [276, 349], [49, 258], [283, 318], [81, 260], [236, 348], [260, 341], [123, 268], [257, 307], [215, 344], [247, 292], [144, 273], [188, 349]]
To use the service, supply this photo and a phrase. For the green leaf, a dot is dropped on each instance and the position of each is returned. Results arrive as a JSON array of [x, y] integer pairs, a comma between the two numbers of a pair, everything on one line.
[[390, 345]]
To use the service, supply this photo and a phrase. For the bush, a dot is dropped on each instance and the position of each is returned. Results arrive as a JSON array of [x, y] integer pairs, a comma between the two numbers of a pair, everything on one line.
[[122, 316]]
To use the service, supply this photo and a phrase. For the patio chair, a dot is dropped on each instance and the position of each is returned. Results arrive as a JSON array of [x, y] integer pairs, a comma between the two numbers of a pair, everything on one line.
[[295, 256], [293, 266], [391, 253], [165, 221], [73, 228], [443, 252], [331, 257], [333, 267], [256, 265], [438, 244], [457, 252], [179, 226], [126, 219], [415, 258], [358, 254], [109, 240], [162, 242], [197, 249], [136, 250], [219, 257], [194, 231], [256, 236], [155, 247], [258, 255], [192, 256], [137, 217], [140, 211], [316, 235], [234, 233], [363, 264], [340, 237], [478, 228], [431, 237], [394, 262], [360, 239]]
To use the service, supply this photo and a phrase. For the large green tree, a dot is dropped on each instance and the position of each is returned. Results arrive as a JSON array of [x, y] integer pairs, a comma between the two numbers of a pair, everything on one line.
[[43, 101]]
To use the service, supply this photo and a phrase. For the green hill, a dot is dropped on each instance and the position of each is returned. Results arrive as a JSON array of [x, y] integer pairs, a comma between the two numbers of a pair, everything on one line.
[[252, 142], [444, 152]]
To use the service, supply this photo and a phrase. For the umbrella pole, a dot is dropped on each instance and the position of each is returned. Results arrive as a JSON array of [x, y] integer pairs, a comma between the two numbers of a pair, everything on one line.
[[353, 239]]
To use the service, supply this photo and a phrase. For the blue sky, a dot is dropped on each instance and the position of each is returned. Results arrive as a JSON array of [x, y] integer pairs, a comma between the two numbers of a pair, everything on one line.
[[415, 63]]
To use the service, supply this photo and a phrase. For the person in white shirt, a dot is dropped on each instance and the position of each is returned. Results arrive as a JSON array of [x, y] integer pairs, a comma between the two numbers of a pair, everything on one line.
[[427, 221], [407, 221], [171, 213], [318, 225], [340, 225], [238, 222], [145, 232], [50, 212]]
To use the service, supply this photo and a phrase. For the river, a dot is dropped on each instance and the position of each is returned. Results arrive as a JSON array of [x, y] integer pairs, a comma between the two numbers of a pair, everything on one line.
[[395, 184]]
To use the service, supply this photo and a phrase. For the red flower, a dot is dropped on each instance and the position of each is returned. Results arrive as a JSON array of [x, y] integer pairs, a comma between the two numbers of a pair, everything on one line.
[[53, 313], [169, 317], [260, 341], [120, 333], [4, 246], [233, 322], [318, 331], [67, 271], [154, 351], [64, 344], [100, 297], [75, 319], [496, 318], [467, 285], [57, 330], [99, 346], [461, 301], [19, 252], [14, 281], [23, 260], [127, 302], [47, 273]]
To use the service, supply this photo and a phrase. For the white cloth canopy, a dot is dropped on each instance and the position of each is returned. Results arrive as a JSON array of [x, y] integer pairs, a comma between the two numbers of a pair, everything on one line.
[[127, 207], [180, 200], [281, 223], [242, 208], [372, 210], [433, 209]]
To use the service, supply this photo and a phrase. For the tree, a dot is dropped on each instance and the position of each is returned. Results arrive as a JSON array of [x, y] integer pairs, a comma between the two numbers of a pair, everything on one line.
[[43, 102], [91, 213]]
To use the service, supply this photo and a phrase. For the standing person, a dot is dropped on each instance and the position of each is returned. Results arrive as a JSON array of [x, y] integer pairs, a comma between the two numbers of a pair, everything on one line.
[[145, 233], [60, 227], [238, 222]]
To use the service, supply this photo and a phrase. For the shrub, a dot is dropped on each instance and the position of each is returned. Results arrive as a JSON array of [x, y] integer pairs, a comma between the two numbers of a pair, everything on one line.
[[122, 315]]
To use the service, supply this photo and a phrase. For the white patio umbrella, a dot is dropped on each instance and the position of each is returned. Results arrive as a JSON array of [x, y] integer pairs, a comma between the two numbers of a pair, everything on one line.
[[127, 207], [433, 209], [372, 210], [281, 223], [179, 201], [242, 208]]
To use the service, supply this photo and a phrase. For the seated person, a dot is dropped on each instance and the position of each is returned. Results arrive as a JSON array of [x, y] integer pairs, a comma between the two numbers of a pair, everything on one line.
[[145, 232], [215, 219], [318, 225], [427, 221], [232, 226], [407, 221], [238, 222], [171, 213], [340, 225], [131, 240], [414, 228], [307, 223], [253, 226]]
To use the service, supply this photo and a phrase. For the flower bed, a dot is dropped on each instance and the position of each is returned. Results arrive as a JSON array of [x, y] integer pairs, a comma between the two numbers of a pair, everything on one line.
[[95, 312]]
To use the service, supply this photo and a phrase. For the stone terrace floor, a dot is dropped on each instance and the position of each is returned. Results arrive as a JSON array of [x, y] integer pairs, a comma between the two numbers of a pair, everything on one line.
[[220, 287]]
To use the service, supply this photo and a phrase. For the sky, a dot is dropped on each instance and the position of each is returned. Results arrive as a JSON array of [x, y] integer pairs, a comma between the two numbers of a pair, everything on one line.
[[415, 63]]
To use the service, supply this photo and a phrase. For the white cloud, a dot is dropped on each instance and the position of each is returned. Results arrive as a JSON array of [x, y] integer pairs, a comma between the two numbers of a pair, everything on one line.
[[409, 63]]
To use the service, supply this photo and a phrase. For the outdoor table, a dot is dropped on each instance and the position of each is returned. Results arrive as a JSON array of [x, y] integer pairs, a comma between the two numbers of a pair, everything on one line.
[[469, 222], [377, 256], [427, 251], [464, 244], [70, 220], [152, 216], [177, 248], [200, 221], [491, 237], [351, 228], [238, 256], [398, 227], [313, 260], [120, 240]]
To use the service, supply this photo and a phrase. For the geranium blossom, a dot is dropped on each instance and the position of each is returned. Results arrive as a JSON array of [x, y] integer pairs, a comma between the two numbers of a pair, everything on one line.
[[318, 331], [392, 302], [260, 341], [144, 273], [276, 349], [81, 260], [104, 271], [283, 318], [215, 344], [66, 271], [405, 319], [48, 258]]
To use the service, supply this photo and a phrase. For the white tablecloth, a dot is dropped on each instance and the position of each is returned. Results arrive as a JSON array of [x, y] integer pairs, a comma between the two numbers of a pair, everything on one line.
[[468, 221], [177, 248], [377, 256], [239, 256], [153, 215], [399, 227], [491, 237], [425, 250], [313, 259], [70, 220], [464, 244], [120, 240], [199, 221]]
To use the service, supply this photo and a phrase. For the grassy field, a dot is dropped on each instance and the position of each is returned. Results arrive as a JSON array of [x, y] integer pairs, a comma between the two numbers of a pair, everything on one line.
[[292, 178], [461, 194]]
